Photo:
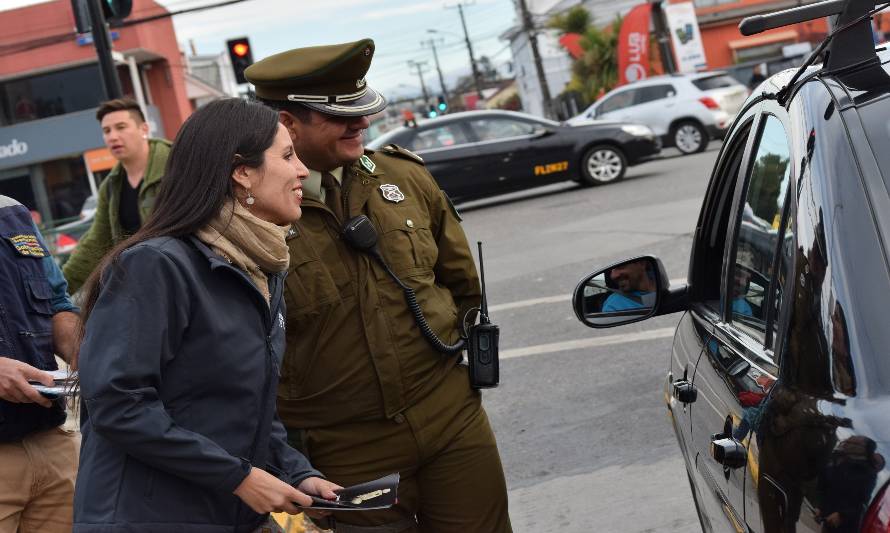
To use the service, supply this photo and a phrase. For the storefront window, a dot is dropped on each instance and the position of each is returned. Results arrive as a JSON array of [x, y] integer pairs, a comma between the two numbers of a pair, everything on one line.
[[55, 190], [48, 95]]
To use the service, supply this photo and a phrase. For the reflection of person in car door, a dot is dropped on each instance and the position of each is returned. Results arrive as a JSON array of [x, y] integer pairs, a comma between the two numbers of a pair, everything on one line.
[[636, 283]]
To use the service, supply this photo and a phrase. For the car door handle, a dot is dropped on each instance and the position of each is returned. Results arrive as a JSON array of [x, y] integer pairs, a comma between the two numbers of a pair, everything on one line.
[[684, 391], [728, 451]]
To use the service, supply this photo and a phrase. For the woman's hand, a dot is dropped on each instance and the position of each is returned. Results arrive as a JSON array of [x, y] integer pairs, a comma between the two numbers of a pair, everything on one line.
[[321, 488], [265, 493]]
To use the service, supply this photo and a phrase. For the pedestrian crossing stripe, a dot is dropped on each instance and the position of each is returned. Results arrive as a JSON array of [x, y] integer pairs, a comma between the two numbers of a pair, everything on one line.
[[27, 244]]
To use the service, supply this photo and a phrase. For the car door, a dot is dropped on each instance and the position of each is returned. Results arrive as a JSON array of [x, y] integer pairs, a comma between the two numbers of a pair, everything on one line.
[[738, 369], [653, 107], [616, 106], [697, 399], [448, 154], [516, 152]]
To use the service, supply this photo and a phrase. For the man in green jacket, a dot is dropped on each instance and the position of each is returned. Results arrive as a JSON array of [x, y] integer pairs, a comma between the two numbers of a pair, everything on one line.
[[127, 195]]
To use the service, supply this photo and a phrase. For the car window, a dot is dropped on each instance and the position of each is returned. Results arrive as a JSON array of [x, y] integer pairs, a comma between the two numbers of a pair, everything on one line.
[[439, 137], [616, 102], [715, 220], [715, 82], [759, 228], [490, 129], [654, 92]]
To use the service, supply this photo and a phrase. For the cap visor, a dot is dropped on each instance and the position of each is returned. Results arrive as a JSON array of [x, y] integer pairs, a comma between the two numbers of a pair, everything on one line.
[[371, 102]]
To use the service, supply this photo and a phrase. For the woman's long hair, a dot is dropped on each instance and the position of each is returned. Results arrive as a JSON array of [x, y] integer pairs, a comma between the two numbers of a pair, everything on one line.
[[216, 139]]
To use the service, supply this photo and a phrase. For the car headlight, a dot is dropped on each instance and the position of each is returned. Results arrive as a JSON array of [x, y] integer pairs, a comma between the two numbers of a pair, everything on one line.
[[637, 130]]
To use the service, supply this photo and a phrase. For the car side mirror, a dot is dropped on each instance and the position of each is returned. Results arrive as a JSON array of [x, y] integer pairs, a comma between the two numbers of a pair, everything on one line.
[[626, 292], [542, 132]]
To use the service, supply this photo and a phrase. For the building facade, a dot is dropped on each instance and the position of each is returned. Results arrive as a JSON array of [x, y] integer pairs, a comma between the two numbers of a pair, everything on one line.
[[50, 143]]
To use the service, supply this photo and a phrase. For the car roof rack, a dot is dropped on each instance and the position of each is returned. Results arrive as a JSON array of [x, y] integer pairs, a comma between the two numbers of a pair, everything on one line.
[[848, 48]]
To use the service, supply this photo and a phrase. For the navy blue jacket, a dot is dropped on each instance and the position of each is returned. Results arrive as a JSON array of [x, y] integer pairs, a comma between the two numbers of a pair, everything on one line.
[[32, 289], [179, 371]]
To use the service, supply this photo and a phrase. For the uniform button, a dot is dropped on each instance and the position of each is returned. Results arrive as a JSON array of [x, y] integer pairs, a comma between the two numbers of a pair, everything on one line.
[[410, 223], [399, 418]]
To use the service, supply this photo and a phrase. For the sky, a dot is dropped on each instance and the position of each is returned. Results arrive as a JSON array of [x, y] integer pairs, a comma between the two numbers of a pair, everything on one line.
[[397, 27]]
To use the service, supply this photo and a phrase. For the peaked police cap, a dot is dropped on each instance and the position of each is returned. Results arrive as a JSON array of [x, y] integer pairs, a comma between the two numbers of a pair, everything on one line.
[[329, 79]]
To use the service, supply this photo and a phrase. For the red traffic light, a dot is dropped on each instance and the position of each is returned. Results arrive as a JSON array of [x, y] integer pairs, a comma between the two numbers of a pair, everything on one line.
[[241, 49]]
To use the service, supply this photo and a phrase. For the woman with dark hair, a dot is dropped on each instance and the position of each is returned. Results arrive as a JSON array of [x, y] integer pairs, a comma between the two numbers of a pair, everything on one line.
[[183, 337]]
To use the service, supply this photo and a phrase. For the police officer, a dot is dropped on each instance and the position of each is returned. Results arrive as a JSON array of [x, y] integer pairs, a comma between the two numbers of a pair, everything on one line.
[[369, 393], [38, 461]]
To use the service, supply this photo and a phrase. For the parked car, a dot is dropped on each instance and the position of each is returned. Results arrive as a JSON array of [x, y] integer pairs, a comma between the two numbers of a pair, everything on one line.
[[685, 110], [480, 153], [779, 381]]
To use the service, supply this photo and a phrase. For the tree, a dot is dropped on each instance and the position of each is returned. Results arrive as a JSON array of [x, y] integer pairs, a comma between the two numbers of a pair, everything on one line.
[[596, 71], [575, 20]]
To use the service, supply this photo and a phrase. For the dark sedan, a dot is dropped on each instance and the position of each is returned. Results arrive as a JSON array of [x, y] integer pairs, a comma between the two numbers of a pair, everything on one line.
[[480, 153]]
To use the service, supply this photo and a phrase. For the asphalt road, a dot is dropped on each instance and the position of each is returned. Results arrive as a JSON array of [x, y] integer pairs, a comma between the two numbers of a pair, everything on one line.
[[580, 419]]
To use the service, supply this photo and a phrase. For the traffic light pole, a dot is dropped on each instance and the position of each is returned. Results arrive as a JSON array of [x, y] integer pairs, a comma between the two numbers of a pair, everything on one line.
[[102, 42]]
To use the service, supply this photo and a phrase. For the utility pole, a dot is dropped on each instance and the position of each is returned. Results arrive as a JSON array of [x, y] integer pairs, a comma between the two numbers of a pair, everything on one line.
[[102, 42], [662, 35], [477, 81], [529, 29], [432, 44], [418, 65]]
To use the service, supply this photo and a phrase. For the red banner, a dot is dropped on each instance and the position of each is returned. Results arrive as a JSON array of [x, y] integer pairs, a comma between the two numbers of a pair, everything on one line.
[[633, 45]]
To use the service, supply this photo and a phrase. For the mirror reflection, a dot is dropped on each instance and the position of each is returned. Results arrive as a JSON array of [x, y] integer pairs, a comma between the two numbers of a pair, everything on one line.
[[623, 293]]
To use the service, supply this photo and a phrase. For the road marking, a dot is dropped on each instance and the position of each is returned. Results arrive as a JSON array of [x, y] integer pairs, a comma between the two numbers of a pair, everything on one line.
[[548, 300], [594, 342]]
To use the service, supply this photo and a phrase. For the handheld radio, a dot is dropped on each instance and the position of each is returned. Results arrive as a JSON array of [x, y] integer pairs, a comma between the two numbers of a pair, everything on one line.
[[482, 343]]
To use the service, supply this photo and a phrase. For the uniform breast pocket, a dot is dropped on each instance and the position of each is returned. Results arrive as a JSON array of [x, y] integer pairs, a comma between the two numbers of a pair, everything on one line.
[[406, 240], [39, 295], [309, 285]]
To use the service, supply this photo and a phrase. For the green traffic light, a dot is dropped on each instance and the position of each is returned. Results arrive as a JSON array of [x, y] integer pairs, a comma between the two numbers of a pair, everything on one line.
[[117, 9], [443, 106]]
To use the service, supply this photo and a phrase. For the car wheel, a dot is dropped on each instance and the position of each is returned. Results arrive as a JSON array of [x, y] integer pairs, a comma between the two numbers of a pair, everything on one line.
[[689, 137], [602, 164]]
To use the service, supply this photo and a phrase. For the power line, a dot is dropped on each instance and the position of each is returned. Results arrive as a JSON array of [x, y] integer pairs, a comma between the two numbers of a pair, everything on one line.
[[62, 37]]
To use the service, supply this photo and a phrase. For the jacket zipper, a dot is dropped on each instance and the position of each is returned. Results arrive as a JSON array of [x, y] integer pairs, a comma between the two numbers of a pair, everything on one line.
[[269, 323]]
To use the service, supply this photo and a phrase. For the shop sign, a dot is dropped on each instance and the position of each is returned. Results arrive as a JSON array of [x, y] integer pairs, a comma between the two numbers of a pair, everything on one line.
[[13, 149], [686, 37]]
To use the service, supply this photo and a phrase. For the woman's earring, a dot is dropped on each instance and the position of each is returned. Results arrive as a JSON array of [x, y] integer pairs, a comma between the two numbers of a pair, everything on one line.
[[250, 199]]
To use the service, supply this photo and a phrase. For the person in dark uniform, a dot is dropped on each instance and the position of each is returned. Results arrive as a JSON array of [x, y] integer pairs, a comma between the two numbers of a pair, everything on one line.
[[38, 459], [361, 389]]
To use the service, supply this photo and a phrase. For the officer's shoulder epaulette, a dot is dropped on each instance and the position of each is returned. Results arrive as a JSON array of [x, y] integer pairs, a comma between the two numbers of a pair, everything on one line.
[[404, 153]]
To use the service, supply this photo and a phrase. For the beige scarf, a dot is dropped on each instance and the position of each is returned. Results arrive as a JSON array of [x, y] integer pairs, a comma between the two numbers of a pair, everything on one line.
[[255, 246]]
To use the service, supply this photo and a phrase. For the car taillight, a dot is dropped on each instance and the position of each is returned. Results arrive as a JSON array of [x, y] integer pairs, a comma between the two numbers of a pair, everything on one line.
[[877, 519], [65, 243], [709, 102]]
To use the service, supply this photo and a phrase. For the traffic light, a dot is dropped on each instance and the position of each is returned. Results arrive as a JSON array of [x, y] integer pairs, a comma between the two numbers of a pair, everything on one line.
[[241, 57], [114, 12], [443, 105], [432, 113]]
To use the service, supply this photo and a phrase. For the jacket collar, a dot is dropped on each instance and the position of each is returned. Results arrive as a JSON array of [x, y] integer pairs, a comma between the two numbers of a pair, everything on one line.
[[158, 150]]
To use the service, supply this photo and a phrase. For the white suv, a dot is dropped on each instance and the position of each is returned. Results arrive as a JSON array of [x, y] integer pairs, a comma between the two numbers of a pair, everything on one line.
[[685, 110]]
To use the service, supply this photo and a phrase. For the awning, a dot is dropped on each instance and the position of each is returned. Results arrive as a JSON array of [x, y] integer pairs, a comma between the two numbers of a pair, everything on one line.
[[767, 38]]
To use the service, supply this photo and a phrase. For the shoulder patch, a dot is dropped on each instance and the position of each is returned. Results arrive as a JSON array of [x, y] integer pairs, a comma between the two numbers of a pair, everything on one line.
[[404, 153]]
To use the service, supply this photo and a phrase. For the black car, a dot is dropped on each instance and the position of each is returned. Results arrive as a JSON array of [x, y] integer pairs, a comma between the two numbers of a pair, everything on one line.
[[480, 153], [779, 380]]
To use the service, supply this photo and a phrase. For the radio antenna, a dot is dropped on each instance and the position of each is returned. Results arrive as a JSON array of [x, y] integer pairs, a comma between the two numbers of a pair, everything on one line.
[[483, 315]]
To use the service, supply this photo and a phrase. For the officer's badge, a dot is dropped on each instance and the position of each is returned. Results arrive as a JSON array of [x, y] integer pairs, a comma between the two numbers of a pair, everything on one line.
[[27, 245], [367, 163], [391, 192]]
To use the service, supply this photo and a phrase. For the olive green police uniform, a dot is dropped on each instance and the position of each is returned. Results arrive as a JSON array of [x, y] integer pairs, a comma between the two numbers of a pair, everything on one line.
[[368, 391]]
